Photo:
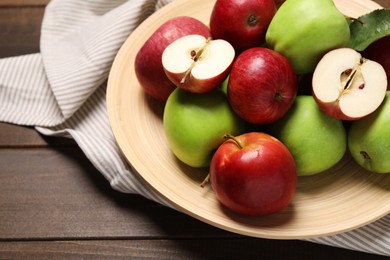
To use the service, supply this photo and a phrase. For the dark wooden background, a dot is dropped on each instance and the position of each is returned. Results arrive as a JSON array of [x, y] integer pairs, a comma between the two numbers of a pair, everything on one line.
[[55, 204]]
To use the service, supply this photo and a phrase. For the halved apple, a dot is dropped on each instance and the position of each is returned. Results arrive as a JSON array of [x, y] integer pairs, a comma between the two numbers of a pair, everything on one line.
[[347, 86], [197, 64]]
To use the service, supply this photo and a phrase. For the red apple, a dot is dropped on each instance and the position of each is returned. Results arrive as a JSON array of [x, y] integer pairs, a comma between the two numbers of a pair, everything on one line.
[[197, 64], [347, 86], [279, 3], [379, 51], [243, 23], [148, 66], [262, 85], [253, 174]]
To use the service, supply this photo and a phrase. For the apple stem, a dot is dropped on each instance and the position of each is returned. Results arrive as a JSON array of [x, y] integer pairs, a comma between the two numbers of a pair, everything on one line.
[[355, 19], [195, 55], [229, 136], [205, 181], [252, 20]]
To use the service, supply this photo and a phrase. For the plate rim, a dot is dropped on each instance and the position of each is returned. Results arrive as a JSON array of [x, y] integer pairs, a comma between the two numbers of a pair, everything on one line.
[[113, 120]]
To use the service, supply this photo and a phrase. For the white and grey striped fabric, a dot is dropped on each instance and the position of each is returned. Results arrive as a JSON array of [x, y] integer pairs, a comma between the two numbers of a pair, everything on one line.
[[61, 92]]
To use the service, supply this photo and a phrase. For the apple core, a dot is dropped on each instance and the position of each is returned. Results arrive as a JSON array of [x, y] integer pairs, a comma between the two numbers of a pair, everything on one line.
[[348, 86], [196, 63]]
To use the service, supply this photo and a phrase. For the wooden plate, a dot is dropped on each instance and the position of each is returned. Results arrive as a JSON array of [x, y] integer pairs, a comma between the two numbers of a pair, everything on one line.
[[341, 199]]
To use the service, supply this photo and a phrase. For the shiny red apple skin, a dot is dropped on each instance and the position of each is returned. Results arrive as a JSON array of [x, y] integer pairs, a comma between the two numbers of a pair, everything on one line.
[[379, 51], [256, 179], [262, 85], [243, 23], [148, 66]]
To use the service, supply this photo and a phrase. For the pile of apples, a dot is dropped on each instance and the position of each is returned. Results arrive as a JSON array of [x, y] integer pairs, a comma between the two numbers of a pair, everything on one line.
[[235, 99]]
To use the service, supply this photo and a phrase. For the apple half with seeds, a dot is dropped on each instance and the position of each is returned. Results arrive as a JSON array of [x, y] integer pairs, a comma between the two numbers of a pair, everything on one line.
[[347, 86], [196, 63]]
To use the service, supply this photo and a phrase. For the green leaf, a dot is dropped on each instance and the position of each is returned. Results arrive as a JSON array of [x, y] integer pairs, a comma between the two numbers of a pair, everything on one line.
[[369, 28]]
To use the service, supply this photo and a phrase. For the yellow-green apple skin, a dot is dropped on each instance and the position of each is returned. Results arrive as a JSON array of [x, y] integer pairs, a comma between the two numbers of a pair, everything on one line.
[[369, 139], [304, 30], [224, 85], [316, 140], [195, 125]]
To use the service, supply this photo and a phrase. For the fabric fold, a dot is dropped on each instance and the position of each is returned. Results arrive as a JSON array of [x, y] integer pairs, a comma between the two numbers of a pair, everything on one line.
[[26, 96], [79, 41]]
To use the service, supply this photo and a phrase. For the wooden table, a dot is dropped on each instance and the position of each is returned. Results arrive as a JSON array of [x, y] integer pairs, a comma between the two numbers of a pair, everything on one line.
[[55, 204]]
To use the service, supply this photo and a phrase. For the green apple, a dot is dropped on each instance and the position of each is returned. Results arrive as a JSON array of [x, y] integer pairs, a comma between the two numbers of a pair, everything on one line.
[[316, 140], [224, 85], [304, 30], [195, 124], [369, 139]]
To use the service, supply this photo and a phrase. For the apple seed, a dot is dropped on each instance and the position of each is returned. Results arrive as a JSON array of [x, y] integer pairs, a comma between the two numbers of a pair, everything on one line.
[[347, 72], [352, 75], [195, 56], [348, 86]]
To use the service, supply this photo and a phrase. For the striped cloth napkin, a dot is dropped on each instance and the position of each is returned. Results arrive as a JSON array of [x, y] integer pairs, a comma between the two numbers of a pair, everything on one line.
[[61, 92]]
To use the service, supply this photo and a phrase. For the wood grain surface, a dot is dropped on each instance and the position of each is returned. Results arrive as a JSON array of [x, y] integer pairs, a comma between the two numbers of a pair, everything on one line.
[[55, 205]]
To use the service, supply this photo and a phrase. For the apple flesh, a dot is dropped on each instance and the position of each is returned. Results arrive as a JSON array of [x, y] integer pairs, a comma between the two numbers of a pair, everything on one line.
[[243, 23], [253, 174], [348, 86], [198, 64], [148, 66], [262, 85]]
